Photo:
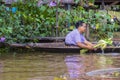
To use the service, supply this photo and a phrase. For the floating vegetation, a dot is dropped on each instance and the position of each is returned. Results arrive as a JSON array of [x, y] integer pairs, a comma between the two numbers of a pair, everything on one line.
[[83, 51], [103, 43]]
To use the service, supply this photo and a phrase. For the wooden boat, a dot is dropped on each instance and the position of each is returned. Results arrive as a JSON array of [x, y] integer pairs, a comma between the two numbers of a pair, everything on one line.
[[56, 44], [59, 47]]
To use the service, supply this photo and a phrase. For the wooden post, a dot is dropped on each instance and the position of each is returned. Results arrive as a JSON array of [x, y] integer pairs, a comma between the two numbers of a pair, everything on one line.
[[103, 5], [68, 6], [87, 34], [57, 24]]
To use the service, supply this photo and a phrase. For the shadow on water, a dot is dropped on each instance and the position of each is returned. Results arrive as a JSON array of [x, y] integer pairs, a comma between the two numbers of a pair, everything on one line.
[[47, 66]]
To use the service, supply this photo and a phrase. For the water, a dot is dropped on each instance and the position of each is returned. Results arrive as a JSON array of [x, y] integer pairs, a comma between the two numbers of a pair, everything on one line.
[[106, 73], [47, 66]]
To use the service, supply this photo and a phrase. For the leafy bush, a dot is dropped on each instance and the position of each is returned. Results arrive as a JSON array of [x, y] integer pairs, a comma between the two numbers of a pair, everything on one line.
[[31, 21]]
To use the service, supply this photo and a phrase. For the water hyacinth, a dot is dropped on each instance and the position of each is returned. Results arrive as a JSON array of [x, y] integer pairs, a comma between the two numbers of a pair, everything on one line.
[[103, 43], [39, 3], [52, 4], [2, 39]]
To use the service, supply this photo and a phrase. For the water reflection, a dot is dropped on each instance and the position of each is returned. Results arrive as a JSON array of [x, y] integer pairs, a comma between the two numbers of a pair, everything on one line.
[[46, 66], [104, 61], [75, 66]]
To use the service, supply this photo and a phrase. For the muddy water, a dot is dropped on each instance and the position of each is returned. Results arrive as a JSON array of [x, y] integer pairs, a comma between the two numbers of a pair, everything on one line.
[[48, 66]]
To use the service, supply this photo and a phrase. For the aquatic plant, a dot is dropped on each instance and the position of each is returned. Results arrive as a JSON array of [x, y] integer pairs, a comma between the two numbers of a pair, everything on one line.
[[30, 20], [103, 43], [2, 39], [82, 51]]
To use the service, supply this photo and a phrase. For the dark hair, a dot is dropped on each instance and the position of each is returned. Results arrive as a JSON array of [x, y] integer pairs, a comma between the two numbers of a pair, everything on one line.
[[79, 23]]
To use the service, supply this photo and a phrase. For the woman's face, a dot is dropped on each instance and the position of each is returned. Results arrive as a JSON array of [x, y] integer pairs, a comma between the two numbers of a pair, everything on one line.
[[83, 28]]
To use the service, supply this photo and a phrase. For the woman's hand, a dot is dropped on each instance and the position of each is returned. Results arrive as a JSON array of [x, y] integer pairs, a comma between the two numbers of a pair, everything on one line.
[[91, 47]]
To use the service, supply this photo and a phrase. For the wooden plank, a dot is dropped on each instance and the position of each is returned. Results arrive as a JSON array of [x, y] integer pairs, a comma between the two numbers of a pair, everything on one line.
[[43, 45], [46, 39]]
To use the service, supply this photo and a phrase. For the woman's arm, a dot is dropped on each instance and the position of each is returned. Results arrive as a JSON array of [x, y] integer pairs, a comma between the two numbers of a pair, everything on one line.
[[89, 43], [81, 45]]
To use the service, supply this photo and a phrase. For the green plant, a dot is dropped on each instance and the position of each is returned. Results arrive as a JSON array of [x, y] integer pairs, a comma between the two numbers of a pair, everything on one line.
[[103, 43], [31, 21], [28, 22]]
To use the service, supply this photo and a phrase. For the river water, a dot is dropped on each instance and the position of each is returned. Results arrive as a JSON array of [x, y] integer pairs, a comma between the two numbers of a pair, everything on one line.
[[51, 66]]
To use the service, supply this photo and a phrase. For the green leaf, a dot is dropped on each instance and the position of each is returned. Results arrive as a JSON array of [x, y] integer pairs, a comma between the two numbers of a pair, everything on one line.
[[0, 20], [83, 51]]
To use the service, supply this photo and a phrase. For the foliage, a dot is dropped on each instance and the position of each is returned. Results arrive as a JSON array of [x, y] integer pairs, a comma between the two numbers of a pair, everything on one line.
[[31, 21], [100, 44], [100, 21], [103, 43], [82, 51]]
